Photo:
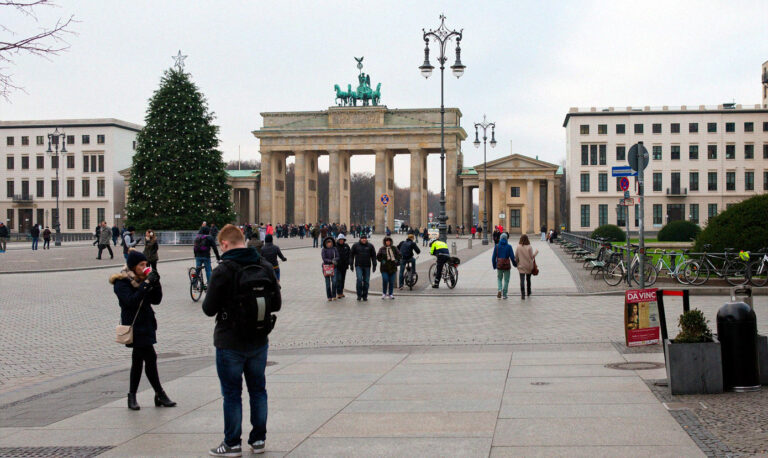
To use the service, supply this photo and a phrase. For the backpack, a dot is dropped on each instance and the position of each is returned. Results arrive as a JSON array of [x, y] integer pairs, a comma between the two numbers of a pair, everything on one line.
[[256, 298], [200, 246]]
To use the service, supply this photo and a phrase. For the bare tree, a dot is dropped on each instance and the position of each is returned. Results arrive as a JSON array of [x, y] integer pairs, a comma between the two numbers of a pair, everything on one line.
[[250, 164], [48, 41]]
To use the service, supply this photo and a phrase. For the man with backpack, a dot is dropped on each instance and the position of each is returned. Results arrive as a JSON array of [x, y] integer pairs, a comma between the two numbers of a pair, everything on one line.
[[407, 247], [243, 294], [128, 241], [202, 249]]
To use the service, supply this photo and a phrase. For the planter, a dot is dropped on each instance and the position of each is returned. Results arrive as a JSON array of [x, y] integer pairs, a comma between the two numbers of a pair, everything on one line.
[[694, 368], [762, 355]]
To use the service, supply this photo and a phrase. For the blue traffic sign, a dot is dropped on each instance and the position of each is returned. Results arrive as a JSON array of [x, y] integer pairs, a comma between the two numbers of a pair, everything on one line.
[[624, 184], [385, 199], [623, 171]]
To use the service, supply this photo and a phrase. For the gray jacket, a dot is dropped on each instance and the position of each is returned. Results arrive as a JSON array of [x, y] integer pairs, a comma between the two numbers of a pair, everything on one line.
[[105, 236]]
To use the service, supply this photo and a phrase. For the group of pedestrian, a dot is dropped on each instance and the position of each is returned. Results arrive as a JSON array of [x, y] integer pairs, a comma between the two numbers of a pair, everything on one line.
[[523, 258]]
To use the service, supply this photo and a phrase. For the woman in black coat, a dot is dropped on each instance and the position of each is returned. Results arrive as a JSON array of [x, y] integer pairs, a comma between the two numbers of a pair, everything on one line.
[[136, 291]]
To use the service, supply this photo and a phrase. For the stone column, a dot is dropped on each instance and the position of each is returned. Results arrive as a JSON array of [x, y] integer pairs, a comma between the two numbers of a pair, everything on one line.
[[503, 205], [424, 189], [299, 188], [529, 209], [267, 184], [310, 206], [467, 201], [380, 188], [550, 204], [334, 193], [390, 189], [416, 219], [481, 202], [451, 185], [251, 203], [344, 187]]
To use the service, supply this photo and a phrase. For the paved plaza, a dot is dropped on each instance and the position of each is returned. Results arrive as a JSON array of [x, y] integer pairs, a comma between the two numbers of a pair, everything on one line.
[[432, 373]]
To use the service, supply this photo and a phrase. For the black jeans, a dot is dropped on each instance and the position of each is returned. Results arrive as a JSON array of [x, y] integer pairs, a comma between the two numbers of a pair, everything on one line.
[[525, 278], [144, 356], [102, 247], [46, 244], [442, 258]]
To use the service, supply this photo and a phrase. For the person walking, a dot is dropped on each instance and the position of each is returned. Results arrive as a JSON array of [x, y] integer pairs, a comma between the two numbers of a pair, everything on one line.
[[406, 248], [201, 247], [96, 233], [4, 234], [526, 260], [389, 259], [128, 241], [115, 234], [503, 259], [150, 248], [496, 235], [330, 256], [543, 232], [255, 242], [362, 259], [271, 252], [342, 265], [425, 237], [137, 290], [473, 230], [35, 234], [104, 236], [47, 238], [315, 232]]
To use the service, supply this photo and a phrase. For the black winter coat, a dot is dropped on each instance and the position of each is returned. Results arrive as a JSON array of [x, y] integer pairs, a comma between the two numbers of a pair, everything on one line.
[[129, 299], [344, 251], [406, 249], [4, 231], [362, 255]]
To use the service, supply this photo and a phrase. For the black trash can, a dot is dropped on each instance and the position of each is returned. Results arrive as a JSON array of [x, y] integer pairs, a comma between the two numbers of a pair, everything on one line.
[[737, 332]]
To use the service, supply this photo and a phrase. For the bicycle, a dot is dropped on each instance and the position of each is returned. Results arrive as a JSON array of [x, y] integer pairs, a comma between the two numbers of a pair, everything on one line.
[[733, 271], [615, 270], [758, 269], [196, 282], [410, 276], [450, 272], [678, 272]]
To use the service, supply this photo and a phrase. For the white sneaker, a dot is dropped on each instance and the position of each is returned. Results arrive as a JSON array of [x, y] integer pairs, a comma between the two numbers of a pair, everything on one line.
[[257, 447], [392, 297], [383, 296]]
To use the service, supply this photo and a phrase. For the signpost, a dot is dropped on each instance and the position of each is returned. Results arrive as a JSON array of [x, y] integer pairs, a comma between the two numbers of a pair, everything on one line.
[[623, 171], [624, 185], [385, 202], [638, 161]]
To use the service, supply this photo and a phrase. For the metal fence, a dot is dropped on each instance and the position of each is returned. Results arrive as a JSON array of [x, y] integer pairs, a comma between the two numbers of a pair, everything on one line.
[[175, 237]]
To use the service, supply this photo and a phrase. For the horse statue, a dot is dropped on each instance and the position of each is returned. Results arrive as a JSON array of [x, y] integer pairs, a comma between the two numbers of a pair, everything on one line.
[[364, 92]]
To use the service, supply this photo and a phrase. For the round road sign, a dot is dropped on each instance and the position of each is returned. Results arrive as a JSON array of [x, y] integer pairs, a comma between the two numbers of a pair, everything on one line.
[[385, 199], [638, 157], [624, 183]]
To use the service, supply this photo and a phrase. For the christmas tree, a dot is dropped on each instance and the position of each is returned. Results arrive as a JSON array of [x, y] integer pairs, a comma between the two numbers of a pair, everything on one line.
[[178, 177]]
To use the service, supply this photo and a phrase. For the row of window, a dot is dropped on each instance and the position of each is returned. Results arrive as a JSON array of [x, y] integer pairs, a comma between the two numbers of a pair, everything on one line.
[[596, 154], [91, 162], [674, 212], [85, 217], [675, 182], [656, 128], [40, 140], [85, 188]]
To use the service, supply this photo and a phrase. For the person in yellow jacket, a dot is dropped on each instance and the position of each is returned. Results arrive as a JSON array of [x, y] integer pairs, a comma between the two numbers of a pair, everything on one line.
[[440, 249]]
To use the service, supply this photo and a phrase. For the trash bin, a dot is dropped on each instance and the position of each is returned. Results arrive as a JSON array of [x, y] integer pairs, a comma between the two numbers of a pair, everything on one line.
[[737, 332]]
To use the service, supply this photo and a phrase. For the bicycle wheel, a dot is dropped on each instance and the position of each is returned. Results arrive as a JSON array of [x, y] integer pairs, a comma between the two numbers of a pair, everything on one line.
[[411, 279], [432, 272], [649, 274], [736, 273], [195, 289], [613, 274], [758, 273], [696, 273], [453, 277]]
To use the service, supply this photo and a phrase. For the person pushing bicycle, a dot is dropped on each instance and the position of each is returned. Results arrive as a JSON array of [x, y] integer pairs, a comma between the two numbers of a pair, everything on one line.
[[439, 249]]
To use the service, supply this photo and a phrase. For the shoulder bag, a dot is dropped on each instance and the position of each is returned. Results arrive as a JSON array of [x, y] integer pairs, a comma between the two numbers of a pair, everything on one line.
[[124, 334], [328, 270], [535, 270], [503, 264]]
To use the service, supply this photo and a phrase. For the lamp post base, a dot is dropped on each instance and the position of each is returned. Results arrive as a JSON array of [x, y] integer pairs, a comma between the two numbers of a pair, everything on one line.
[[58, 238], [485, 241]]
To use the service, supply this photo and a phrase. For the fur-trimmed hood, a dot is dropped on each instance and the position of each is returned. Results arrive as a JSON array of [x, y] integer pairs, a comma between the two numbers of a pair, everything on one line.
[[125, 274]]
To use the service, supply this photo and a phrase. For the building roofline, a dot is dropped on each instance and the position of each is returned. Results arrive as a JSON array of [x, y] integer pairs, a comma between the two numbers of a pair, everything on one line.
[[642, 112], [96, 122]]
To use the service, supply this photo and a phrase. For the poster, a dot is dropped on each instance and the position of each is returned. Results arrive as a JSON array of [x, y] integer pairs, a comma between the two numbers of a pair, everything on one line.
[[641, 317]]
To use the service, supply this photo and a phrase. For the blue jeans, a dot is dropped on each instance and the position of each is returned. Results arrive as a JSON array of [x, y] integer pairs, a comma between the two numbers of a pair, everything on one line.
[[387, 282], [277, 273], [363, 280], [204, 261], [34, 242], [403, 263], [231, 365], [330, 286]]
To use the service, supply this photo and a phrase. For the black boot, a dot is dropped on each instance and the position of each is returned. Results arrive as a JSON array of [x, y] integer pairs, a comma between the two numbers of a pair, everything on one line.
[[132, 404], [522, 295], [162, 399]]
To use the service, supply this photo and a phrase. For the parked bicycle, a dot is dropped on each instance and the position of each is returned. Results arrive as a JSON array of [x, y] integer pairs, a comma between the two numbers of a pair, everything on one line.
[[666, 261], [734, 271], [450, 272], [615, 270], [757, 269]]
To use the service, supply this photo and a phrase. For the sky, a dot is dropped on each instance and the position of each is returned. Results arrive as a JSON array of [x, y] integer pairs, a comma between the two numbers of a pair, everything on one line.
[[527, 62]]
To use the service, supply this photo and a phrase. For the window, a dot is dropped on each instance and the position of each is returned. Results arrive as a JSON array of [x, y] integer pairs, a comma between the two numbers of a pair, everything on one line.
[[514, 218], [656, 152], [657, 214], [9, 189], [621, 153], [54, 162], [25, 188], [100, 215], [70, 139], [9, 162], [693, 181], [584, 154], [9, 218], [730, 151], [24, 162], [621, 129], [584, 182], [86, 218], [765, 126], [54, 188], [749, 127], [70, 187], [675, 128], [100, 188], [40, 188], [711, 181], [85, 139], [749, 181], [730, 181], [694, 216], [603, 158], [711, 210], [70, 218], [584, 129], [93, 163], [86, 188], [39, 140], [749, 151], [9, 141], [730, 127], [621, 216], [70, 161], [40, 160], [602, 182], [85, 163], [674, 153], [711, 151], [100, 139], [656, 128], [765, 151], [602, 129], [593, 154], [101, 162], [585, 216], [693, 152], [693, 127], [765, 181], [638, 128], [618, 184], [514, 190], [602, 215], [657, 181], [24, 141], [711, 127]]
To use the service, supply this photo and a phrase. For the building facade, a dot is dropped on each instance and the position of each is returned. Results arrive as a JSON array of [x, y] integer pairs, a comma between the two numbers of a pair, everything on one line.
[[90, 188]]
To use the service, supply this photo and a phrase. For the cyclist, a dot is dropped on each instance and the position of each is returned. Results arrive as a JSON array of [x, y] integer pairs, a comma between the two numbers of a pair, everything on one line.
[[202, 249], [440, 249], [406, 248]]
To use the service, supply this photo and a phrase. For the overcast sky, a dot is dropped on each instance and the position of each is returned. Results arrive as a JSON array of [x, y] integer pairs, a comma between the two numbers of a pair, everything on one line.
[[527, 62]]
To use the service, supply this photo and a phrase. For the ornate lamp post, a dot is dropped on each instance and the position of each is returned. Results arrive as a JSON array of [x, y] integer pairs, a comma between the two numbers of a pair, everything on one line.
[[442, 35], [55, 138], [485, 125]]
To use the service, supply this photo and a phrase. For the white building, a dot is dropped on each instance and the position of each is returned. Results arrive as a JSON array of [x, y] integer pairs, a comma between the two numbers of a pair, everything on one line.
[[90, 188]]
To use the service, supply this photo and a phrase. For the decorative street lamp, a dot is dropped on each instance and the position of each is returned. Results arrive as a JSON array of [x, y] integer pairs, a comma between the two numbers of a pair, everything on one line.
[[485, 125], [442, 35], [55, 138]]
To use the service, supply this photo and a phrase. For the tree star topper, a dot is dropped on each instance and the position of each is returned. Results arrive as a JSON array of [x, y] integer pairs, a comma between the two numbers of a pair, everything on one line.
[[179, 60]]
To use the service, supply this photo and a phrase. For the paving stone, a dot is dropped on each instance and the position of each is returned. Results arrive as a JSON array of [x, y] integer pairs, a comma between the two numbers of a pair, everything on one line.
[[408, 424], [393, 447], [670, 451], [582, 410], [574, 385]]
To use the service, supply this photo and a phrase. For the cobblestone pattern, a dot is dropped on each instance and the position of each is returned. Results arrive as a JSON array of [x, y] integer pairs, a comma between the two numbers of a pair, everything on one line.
[[50, 452], [621, 347]]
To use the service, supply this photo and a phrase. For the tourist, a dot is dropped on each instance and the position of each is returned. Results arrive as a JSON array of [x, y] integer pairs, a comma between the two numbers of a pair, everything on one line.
[[201, 247], [271, 252], [115, 234], [342, 265], [406, 248], [104, 236], [543, 232], [255, 242], [47, 238], [241, 354], [389, 258], [502, 260], [150, 247], [473, 231], [4, 234], [270, 230], [526, 258], [35, 234], [496, 235], [330, 256], [362, 259], [262, 231], [128, 241], [96, 233], [137, 289], [425, 237], [315, 232]]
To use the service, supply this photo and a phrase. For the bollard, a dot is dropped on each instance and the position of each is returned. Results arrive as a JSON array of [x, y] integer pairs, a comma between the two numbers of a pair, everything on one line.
[[737, 333], [469, 244], [453, 248]]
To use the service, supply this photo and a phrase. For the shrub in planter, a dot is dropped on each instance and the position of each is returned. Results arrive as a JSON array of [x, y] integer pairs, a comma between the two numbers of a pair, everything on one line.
[[694, 327], [743, 227], [678, 231], [694, 361], [611, 232]]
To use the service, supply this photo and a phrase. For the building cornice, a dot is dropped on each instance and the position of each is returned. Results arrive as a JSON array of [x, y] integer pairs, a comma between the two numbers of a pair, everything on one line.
[[663, 112], [53, 123]]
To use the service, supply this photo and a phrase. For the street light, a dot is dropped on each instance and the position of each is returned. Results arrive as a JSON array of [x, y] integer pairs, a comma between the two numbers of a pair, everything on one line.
[[54, 139], [442, 35], [485, 125]]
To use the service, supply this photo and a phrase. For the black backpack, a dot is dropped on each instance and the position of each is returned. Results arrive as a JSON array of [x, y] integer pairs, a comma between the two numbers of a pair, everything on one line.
[[256, 297]]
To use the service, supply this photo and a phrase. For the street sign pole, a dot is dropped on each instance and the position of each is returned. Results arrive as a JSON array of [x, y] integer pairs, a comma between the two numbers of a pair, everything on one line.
[[641, 198], [629, 256]]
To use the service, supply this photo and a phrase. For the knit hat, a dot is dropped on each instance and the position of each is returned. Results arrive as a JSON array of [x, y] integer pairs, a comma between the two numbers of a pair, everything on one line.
[[134, 258], [341, 237], [504, 236], [268, 238]]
